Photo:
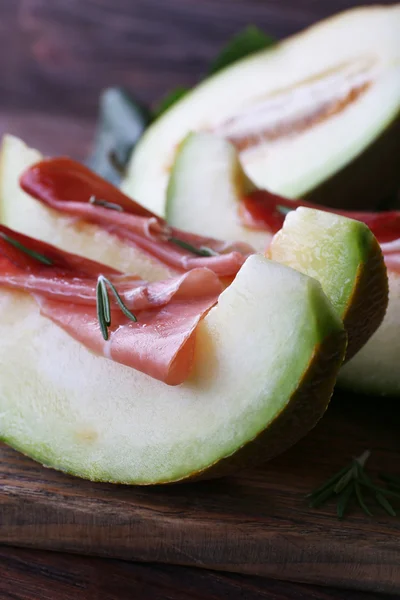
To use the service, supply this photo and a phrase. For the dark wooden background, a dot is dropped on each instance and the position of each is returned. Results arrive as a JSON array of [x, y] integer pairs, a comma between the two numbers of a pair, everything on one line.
[[55, 58]]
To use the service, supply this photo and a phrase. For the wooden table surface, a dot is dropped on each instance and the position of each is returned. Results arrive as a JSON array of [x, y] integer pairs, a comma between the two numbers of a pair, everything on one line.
[[34, 575], [56, 58]]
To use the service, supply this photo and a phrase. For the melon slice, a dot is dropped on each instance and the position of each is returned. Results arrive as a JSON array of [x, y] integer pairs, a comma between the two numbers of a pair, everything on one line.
[[24, 214], [375, 369], [206, 184], [316, 115], [266, 360], [344, 256]]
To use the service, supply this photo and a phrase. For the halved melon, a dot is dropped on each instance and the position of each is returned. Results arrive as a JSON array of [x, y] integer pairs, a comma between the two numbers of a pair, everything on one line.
[[266, 360], [344, 256], [21, 212], [376, 368], [315, 115]]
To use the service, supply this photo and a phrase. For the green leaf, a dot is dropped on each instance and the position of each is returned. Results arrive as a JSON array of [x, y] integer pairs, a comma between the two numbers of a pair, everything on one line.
[[384, 502], [121, 122], [361, 501], [32, 253], [344, 499], [330, 483], [243, 44], [169, 100]]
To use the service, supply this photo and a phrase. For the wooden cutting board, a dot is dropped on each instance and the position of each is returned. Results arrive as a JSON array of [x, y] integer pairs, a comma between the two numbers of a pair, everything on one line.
[[257, 522]]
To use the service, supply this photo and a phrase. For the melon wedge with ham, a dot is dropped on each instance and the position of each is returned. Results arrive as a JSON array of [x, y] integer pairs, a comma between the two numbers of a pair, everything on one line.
[[263, 362], [80, 212], [22, 213], [352, 258]]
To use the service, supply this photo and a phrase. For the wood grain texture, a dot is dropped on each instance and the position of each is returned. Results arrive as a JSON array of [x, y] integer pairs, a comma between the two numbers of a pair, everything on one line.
[[51, 134], [65, 577], [61, 54], [256, 523]]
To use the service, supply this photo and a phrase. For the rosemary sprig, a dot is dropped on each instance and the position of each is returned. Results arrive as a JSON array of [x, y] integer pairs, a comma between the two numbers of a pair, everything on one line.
[[103, 305], [105, 204], [32, 253], [202, 251], [351, 483]]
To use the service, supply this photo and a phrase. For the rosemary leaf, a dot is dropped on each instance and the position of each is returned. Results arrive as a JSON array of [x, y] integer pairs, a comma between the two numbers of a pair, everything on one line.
[[202, 251], [32, 253], [100, 310], [344, 498], [360, 499], [352, 482], [104, 204], [120, 302], [384, 491], [342, 483], [319, 499], [384, 502], [103, 305], [106, 301], [329, 483], [208, 251], [361, 460]]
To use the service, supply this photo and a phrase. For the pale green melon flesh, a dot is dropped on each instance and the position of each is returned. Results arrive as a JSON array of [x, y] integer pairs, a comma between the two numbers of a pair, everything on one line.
[[328, 247], [376, 368], [206, 184], [316, 101], [91, 417], [21, 212]]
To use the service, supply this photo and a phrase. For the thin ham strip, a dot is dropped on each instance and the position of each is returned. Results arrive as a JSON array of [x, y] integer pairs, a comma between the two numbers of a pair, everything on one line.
[[264, 211], [66, 179], [161, 343], [67, 186]]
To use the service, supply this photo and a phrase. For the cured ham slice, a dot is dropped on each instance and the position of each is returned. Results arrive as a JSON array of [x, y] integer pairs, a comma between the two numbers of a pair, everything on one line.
[[161, 343], [265, 211], [70, 188]]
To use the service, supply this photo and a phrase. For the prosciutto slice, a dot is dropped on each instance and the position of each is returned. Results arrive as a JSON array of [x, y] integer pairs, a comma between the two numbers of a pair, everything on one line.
[[265, 211], [161, 343], [70, 188]]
